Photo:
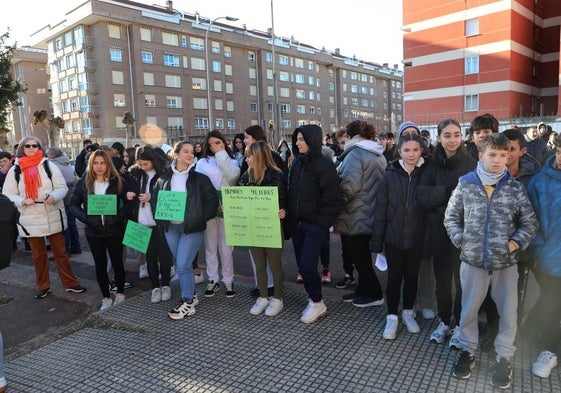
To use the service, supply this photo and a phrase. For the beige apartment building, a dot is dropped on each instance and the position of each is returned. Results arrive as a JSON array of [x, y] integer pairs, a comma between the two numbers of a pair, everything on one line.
[[108, 57]]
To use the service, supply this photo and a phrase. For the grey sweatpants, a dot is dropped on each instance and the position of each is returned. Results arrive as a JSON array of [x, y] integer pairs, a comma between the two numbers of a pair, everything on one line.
[[504, 291]]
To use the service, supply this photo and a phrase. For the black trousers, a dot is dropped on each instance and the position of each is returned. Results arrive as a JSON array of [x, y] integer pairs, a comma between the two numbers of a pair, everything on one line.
[[99, 247], [403, 267], [357, 247]]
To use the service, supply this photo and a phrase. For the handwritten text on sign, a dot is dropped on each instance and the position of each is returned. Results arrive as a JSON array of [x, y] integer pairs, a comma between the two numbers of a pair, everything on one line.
[[102, 204], [171, 205]]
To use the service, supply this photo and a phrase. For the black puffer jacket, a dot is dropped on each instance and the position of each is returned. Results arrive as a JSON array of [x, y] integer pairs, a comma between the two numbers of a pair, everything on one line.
[[137, 180], [202, 200], [399, 220], [95, 226], [314, 194], [439, 179]]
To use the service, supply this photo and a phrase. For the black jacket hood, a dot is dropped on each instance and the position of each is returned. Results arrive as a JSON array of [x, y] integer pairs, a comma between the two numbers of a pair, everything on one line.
[[313, 135]]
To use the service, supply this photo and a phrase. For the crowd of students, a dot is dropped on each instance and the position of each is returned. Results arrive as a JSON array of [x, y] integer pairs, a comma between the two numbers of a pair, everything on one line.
[[471, 208]]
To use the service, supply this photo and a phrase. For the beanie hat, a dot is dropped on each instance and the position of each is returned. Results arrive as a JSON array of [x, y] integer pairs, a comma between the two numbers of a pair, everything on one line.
[[405, 125]]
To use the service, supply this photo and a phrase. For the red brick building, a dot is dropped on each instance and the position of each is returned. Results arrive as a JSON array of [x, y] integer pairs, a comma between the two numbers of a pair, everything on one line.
[[466, 58]]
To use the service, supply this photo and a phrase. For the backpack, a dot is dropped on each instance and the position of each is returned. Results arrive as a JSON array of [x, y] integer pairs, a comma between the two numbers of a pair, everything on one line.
[[17, 171]]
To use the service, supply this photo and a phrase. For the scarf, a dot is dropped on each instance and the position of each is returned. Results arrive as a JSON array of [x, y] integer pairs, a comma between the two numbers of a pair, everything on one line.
[[488, 178], [31, 179]]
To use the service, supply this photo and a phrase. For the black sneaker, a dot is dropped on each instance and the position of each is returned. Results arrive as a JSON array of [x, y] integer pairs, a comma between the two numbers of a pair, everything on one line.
[[462, 368], [503, 374], [211, 288], [113, 286], [230, 293], [76, 289], [347, 281], [42, 294]]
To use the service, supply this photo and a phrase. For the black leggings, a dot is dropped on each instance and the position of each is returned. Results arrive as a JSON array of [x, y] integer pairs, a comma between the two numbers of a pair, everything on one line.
[[403, 266], [158, 258], [99, 247]]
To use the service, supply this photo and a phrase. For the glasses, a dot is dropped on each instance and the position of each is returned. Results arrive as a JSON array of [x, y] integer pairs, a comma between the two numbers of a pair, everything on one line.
[[31, 146]]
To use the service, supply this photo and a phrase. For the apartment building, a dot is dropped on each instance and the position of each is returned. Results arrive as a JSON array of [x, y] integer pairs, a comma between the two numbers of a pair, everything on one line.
[[466, 58], [109, 57], [29, 65]]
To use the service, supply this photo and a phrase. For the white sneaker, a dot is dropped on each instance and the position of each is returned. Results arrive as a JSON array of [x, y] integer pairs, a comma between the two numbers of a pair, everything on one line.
[[195, 300], [199, 278], [166, 293], [455, 339], [3, 384], [119, 298], [260, 305], [106, 302], [408, 317], [275, 307], [182, 310], [440, 334], [143, 271], [314, 311], [428, 313], [390, 332], [546, 362], [156, 295]]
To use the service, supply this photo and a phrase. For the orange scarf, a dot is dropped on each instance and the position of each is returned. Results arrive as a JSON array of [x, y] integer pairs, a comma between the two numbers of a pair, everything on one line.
[[30, 167]]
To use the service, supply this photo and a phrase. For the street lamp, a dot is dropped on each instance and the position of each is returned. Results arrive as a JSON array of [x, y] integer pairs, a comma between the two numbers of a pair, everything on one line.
[[210, 120]]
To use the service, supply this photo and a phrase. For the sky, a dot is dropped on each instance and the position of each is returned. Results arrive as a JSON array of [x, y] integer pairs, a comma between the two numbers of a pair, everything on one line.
[[369, 29]]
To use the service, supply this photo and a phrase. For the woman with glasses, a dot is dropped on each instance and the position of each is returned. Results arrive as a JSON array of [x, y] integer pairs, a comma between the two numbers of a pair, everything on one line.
[[38, 188]]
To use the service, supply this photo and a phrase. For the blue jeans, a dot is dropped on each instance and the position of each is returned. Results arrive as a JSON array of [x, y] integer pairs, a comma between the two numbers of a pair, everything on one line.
[[307, 240], [71, 235], [184, 248]]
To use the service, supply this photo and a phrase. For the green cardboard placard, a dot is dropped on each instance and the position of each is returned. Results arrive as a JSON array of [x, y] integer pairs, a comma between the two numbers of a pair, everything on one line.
[[171, 205], [251, 216], [102, 204], [137, 236]]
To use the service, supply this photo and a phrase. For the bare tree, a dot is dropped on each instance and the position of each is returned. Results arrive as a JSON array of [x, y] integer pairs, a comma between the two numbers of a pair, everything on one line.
[[128, 121], [52, 125]]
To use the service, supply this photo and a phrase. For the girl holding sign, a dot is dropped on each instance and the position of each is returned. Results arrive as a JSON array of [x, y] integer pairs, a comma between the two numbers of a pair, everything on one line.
[[144, 174], [185, 234], [262, 171], [97, 200], [219, 164]]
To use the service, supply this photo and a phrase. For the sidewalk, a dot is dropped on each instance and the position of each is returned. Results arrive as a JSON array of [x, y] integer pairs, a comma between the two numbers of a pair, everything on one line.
[[135, 347]]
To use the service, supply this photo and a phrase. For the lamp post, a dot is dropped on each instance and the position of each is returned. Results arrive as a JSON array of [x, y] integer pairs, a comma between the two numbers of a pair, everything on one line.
[[209, 97]]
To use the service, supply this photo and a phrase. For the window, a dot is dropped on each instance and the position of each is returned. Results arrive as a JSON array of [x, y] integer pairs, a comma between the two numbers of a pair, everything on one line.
[[318, 97], [283, 60], [298, 63], [150, 100], [286, 125], [270, 107], [216, 66], [231, 124], [147, 57], [331, 86], [80, 59], [253, 107], [299, 78], [173, 81], [87, 126], [269, 57], [173, 102], [75, 125], [71, 83], [230, 106], [318, 83], [215, 47], [311, 95], [344, 73], [285, 108], [198, 84], [151, 120], [472, 65], [300, 109], [354, 101], [250, 55], [69, 61], [145, 34], [171, 60], [148, 79], [472, 27], [170, 39], [252, 90], [301, 94], [58, 43], [363, 78], [219, 124], [74, 104], [269, 73], [311, 80], [218, 105], [200, 103], [364, 90], [176, 122], [197, 43], [82, 81], [228, 69], [201, 124], [284, 76], [310, 65], [183, 41], [227, 51], [197, 64], [312, 110], [472, 102], [117, 77], [252, 73], [119, 100], [64, 106], [217, 85], [229, 88], [354, 76], [285, 92], [79, 35], [270, 91], [116, 54], [114, 31], [354, 89]]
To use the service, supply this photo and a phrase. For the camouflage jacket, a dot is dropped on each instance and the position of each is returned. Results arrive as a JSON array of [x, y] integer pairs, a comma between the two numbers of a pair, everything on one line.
[[482, 227]]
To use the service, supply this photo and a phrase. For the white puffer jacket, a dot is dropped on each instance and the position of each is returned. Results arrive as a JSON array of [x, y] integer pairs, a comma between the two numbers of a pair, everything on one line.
[[40, 219]]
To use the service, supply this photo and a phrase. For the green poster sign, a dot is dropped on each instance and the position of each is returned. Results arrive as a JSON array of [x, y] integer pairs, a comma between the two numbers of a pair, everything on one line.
[[171, 205], [251, 216], [102, 204], [137, 236]]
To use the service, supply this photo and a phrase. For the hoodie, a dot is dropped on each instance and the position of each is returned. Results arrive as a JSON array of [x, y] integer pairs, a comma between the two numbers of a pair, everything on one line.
[[529, 166], [67, 170], [314, 192]]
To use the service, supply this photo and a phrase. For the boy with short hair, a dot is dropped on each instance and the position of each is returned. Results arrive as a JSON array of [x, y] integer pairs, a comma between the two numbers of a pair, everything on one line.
[[480, 127], [490, 218]]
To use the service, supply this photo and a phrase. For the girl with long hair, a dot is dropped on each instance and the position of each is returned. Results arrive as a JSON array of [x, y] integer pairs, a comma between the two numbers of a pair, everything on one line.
[[103, 232], [238, 146], [219, 164], [263, 172]]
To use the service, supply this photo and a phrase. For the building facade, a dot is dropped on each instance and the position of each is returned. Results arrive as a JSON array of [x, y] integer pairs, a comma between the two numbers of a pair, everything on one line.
[[466, 58], [114, 56]]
